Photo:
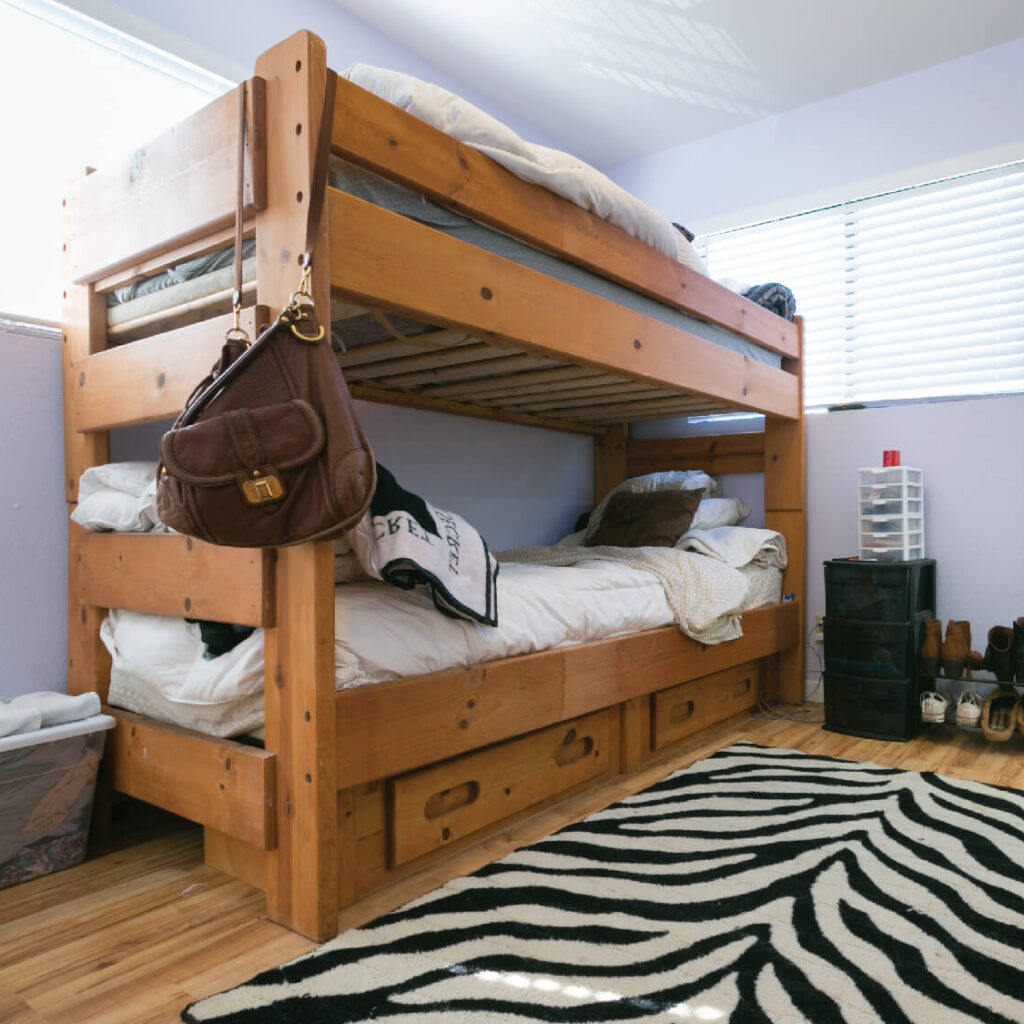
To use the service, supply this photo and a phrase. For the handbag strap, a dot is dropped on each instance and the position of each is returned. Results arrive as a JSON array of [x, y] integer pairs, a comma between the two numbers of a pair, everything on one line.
[[318, 186]]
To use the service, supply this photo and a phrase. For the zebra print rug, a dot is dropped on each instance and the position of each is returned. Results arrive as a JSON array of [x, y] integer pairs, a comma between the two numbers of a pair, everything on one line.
[[758, 885]]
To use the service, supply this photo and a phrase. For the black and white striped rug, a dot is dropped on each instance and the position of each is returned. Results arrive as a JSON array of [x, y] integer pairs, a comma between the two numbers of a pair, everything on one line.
[[758, 885]]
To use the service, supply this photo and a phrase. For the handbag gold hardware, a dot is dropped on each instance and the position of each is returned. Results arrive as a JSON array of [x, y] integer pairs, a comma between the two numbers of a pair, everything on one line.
[[261, 489]]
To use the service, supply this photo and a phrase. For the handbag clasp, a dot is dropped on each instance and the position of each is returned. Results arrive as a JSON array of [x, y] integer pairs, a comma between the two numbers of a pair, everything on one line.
[[262, 488]]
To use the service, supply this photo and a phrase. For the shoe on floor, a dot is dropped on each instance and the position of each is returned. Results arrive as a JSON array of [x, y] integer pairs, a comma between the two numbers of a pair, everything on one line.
[[999, 714], [933, 707], [930, 647], [968, 709], [956, 649], [999, 653]]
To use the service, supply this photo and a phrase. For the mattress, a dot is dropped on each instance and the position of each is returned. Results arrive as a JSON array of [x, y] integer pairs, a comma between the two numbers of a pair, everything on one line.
[[190, 282], [383, 634]]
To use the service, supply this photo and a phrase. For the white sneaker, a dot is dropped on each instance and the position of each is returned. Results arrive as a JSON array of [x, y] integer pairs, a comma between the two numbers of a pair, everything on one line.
[[933, 707], [968, 709]]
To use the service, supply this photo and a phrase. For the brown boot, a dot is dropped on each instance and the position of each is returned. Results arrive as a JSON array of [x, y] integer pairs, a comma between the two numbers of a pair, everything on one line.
[[999, 653], [955, 649], [930, 648]]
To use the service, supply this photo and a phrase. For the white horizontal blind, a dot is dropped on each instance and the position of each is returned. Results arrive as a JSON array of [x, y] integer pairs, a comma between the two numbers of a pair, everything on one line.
[[909, 295]]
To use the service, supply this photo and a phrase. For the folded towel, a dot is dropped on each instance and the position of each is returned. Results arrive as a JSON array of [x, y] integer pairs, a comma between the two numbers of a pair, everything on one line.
[[58, 708], [15, 720]]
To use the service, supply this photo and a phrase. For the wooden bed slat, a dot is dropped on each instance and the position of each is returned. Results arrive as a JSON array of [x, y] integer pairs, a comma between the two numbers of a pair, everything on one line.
[[227, 785], [483, 412], [395, 727], [180, 187], [148, 381], [377, 135], [387, 260], [171, 575], [724, 453]]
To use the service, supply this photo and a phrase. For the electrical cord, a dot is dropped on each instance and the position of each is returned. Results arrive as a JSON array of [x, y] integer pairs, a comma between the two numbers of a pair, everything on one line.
[[766, 711]]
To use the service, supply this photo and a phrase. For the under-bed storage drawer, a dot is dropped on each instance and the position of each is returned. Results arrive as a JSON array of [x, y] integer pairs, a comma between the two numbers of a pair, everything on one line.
[[692, 706], [434, 806]]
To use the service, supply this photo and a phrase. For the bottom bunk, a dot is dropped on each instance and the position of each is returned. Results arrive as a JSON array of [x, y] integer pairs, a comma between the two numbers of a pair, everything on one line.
[[433, 764]]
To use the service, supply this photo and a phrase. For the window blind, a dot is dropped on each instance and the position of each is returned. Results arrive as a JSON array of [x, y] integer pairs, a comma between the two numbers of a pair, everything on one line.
[[908, 295]]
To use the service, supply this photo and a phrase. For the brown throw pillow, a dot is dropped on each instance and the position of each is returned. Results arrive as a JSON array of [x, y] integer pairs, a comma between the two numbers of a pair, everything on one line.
[[655, 519]]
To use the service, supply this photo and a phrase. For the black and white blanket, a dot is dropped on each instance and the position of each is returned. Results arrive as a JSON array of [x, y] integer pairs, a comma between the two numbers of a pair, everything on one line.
[[405, 541]]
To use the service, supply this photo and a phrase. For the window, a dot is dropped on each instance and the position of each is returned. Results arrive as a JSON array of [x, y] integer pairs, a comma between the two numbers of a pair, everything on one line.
[[75, 93], [910, 295]]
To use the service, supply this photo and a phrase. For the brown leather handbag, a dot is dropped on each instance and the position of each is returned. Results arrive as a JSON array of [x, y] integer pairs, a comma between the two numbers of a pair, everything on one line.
[[268, 451]]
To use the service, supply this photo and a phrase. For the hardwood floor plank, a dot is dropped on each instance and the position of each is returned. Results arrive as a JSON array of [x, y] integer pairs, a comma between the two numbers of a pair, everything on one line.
[[131, 937]]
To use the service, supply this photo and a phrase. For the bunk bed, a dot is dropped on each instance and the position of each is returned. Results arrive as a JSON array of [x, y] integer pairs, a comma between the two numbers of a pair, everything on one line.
[[354, 789]]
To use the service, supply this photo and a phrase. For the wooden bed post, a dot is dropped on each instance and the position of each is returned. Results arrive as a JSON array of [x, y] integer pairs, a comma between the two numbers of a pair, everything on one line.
[[302, 872], [784, 503], [84, 332], [610, 449]]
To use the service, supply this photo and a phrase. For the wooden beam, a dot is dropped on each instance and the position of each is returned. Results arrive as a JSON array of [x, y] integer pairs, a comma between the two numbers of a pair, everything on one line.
[[150, 380], [483, 412], [610, 467], [389, 260], [217, 782], [375, 134], [717, 455], [394, 727], [302, 873], [180, 187], [167, 574]]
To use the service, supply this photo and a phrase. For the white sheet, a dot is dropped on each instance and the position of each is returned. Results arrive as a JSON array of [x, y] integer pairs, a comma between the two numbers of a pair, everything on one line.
[[383, 633]]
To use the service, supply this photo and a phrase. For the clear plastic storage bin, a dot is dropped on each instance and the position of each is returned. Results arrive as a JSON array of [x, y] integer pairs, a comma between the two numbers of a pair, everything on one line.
[[47, 784], [890, 505]]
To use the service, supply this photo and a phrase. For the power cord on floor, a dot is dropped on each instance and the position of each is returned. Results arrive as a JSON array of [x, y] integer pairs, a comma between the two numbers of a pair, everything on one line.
[[767, 711]]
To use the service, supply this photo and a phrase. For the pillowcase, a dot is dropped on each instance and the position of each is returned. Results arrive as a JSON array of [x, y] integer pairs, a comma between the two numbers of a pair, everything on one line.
[[130, 477], [714, 512], [675, 480], [652, 519]]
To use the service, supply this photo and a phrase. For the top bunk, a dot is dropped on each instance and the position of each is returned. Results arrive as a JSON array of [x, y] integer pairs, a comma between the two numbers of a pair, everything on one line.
[[454, 285]]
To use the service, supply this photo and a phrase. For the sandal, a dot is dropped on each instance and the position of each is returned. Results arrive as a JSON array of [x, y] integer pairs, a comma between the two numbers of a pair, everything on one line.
[[999, 714]]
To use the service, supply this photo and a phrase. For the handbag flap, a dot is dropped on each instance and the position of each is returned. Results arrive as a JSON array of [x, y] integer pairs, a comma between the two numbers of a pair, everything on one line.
[[217, 450]]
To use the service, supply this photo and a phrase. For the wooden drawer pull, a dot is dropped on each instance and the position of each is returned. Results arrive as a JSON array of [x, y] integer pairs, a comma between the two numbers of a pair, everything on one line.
[[682, 711], [449, 800], [742, 688], [572, 749]]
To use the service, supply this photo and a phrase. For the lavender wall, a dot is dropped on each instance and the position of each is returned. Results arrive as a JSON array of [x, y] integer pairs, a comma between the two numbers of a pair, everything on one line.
[[33, 574]]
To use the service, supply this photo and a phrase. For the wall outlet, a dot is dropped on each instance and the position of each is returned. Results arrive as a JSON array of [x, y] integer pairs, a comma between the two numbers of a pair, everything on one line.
[[819, 630]]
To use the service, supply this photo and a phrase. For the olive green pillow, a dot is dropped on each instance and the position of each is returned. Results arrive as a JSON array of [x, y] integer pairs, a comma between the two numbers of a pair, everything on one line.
[[652, 519]]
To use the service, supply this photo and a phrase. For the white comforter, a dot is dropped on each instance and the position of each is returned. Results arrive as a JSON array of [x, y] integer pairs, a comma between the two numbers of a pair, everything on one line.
[[552, 169], [383, 633]]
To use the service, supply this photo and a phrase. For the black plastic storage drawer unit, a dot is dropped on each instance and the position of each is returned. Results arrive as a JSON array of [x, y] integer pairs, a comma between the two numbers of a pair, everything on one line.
[[874, 626], [878, 709], [890, 591]]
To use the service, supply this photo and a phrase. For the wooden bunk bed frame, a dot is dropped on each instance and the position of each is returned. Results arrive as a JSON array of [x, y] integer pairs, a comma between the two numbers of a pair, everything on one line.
[[356, 789]]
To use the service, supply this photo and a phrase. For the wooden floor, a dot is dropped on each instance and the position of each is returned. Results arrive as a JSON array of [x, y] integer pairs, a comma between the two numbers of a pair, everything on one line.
[[130, 937]]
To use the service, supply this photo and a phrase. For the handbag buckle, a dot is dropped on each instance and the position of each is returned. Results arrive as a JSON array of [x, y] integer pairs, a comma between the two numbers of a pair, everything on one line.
[[262, 488]]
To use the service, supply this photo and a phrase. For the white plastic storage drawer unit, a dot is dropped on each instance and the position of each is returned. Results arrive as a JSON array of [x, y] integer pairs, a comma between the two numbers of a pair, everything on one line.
[[890, 514]]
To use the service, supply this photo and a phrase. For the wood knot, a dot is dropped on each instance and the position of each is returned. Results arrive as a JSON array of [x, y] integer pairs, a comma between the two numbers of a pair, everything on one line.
[[81, 379], [487, 293], [637, 344], [188, 543], [392, 142], [470, 703], [278, 677], [463, 724], [188, 604], [161, 380], [227, 764]]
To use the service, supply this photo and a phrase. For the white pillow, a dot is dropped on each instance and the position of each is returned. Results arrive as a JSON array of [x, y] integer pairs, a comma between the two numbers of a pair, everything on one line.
[[678, 480], [131, 477], [109, 509], [712, 512]]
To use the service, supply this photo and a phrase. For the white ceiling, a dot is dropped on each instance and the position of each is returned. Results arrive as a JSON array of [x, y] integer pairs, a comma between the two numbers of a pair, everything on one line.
[[612, 80]]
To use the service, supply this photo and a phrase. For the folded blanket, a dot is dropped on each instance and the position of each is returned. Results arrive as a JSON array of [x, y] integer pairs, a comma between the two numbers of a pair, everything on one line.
[[407, 542], [706, 595], [58, 708], [738, 546], [18, 720]]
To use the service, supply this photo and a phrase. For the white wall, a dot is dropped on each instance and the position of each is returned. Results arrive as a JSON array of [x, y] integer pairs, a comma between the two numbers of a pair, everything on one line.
[[33, 573], [960, 116]]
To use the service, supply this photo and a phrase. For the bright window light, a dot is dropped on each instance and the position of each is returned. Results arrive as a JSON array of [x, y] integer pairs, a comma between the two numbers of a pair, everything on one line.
[[911, 295], [76, 93]]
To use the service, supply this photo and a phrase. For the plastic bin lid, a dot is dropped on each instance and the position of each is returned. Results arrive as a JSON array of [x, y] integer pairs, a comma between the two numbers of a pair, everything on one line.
[[84, 726]]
